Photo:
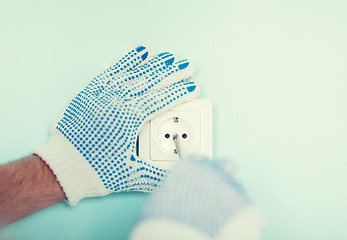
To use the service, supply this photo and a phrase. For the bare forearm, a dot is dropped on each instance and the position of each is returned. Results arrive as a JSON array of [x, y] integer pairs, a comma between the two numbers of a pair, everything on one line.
[[26, 186]]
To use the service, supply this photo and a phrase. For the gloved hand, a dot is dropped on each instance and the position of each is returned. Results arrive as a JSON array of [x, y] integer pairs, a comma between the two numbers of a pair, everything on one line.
[[201, 200], [91, 148]]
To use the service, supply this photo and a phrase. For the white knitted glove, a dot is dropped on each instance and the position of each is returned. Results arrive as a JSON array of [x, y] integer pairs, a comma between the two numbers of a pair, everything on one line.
[[199, 200], [91, 148]]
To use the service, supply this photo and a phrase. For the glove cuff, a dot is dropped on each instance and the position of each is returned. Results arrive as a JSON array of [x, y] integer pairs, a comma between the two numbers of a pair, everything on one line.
[[73, 172]]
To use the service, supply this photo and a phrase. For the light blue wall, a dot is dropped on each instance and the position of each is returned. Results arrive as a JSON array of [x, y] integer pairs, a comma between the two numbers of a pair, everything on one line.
[[274, 70]]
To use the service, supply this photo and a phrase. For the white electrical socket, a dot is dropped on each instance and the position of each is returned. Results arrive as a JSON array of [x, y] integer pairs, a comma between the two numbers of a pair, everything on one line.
[[191, 121]]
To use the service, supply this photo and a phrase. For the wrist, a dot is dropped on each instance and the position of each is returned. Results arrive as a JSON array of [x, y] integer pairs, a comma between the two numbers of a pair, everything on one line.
[[48, 177], [74, 174]]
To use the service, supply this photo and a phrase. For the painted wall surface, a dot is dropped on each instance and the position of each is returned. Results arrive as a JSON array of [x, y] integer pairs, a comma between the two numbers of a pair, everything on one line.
[[274, 70]]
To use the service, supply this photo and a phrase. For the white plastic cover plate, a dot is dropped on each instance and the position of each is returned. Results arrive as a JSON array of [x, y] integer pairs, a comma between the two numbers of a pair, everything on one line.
[[192, 121]]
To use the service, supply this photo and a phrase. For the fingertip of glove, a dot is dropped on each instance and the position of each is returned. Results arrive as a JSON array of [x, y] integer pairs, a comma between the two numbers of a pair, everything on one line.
[[144, 56], [183, 65], [186, 66], [144, 46], [170, 61], [191, 88], [140, 48], [146, 51]]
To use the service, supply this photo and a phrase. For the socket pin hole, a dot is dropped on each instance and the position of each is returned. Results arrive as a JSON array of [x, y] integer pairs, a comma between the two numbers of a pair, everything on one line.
[[184, 135], [167, 135]]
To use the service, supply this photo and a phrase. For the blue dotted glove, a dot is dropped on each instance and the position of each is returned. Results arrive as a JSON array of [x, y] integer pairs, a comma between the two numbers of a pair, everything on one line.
[[199, 200], [91, 148]]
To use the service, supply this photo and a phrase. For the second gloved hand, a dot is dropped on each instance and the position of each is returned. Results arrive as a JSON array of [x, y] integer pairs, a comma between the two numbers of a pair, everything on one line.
[[91, 148]]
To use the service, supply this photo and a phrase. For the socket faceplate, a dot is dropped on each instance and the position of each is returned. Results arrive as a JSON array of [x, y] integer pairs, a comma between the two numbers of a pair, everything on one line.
[[185, 123], [192, 121]]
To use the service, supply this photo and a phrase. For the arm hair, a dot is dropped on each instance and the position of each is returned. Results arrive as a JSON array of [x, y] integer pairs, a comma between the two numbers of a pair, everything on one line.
[[26, 186]]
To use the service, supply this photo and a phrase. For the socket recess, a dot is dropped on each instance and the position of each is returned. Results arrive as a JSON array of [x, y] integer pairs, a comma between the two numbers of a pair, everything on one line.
[[191, 121]]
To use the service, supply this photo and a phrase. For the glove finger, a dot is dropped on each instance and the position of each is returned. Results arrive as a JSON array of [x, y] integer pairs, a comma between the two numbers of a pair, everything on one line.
[[158, 101], [174, 73], [179, 71], [130, 61], [160, 62]]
